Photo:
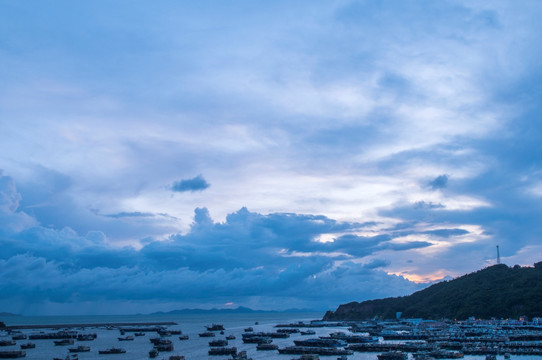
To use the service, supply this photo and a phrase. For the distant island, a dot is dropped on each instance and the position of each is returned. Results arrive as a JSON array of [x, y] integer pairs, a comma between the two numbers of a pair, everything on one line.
[[497, 291], [237, 310], [3, 314]]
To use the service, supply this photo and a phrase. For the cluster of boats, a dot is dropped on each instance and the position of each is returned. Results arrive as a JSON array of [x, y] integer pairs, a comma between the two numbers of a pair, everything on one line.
[[392, 340]]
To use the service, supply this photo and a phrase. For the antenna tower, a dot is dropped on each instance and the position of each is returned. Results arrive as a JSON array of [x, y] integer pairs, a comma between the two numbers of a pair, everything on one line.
[[498, 255]]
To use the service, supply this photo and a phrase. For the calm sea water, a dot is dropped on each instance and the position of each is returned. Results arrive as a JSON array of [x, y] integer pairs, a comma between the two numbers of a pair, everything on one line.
[[193, 349]]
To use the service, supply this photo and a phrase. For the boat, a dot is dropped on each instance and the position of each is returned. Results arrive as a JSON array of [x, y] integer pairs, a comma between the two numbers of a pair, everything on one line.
[[393, 355], [153, 353], [112, 350], [267, 347], [86, 337], [218, 342], [230, 337], [160, 341], [223, 351], [164, 347], [321, 342], [422, 356], [126, 338], [176, 357], [308, 357], [13, 354], [63, 342], [7, 342], [68, 357], [491, 357], [215, 327], [257, 340], [19, 337], [207, 334], [80, 348], [241, 355], [352, 339], [325, 351], [308, 332], [444, 354], [28, 345], [184, 337], [249, 329], [139, 334]]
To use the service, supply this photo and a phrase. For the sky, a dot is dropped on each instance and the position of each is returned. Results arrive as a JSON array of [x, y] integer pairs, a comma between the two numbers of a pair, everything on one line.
[[270, 154]]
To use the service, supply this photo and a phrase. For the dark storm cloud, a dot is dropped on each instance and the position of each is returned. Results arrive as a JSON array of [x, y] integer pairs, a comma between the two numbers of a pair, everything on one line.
[[440, 182], [195, 184], [248, 255]]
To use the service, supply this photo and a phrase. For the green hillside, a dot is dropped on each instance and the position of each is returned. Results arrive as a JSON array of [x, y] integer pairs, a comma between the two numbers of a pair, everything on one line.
[[497, 291]]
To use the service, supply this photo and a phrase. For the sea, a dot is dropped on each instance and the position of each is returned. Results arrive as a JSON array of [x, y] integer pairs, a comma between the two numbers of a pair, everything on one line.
[[190, 324]]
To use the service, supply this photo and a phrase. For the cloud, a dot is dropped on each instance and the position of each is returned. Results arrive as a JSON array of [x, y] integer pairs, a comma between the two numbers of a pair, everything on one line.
[[195, 184], [407, 245], [123, 214], [440, 182], [376, 263], [246, 256], [11, 220], [346, 121], [447, 232], [9, 197]]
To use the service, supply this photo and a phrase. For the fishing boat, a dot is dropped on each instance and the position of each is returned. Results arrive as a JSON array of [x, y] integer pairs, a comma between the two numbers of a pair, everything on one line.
[[112, 350]]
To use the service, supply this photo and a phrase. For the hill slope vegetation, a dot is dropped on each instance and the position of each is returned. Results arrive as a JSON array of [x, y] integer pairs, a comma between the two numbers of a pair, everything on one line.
[[496, 291]]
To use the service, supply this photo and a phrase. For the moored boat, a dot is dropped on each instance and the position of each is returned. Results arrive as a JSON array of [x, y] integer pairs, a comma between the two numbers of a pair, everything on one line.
[[267, 347], [215, 327], [13, 354], [112, 350], [63, 342], [218, 342], [223, 351], [80, 348], [206, 334], [153, 353], [392, 355]]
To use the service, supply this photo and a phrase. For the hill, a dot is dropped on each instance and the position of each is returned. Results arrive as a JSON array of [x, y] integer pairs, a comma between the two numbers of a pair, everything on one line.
[[238, 310], [496, 291], [3, 314]]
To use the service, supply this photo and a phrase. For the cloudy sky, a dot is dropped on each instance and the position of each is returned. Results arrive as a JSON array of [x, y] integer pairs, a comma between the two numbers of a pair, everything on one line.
[[270, 154]]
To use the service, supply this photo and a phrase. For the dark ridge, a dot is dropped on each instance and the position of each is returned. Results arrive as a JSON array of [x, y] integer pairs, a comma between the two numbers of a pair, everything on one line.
[[497, 291], [238, 310], [8, 314]]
